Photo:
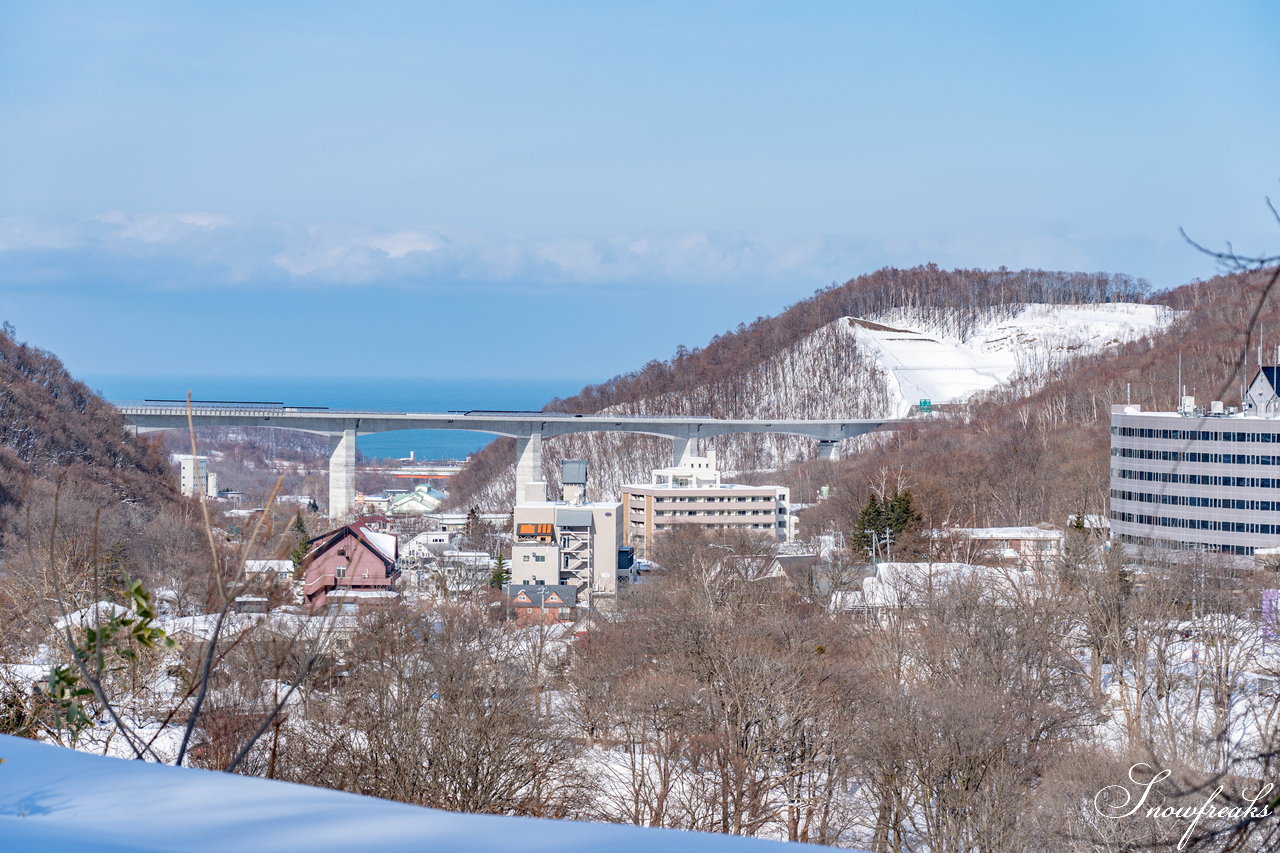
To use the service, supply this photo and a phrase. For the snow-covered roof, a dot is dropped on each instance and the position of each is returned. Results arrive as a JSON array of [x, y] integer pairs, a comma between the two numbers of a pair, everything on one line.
[[102, 611], [998, 532], [22, 673], [384, 542], [280, 566], [203, 625], [896, 583]]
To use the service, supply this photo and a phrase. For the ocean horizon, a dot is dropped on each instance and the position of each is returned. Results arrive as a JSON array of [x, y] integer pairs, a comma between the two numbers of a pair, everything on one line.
[[372, 393]]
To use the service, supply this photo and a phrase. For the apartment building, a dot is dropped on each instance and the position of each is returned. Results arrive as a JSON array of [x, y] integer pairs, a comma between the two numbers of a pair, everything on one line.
[[571, 541], [693, 494], [195, 477]]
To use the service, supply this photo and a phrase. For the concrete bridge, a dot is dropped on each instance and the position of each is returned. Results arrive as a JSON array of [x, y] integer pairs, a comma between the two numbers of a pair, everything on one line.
[[527, 428]]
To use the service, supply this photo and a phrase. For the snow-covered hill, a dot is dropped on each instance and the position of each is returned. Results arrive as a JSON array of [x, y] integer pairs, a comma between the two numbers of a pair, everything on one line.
[[54, 799], [925, 362], [867, 367]]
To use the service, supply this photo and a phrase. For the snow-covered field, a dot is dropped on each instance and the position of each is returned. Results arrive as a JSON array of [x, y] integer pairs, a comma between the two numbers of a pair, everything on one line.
[[928, 364], [54, 799]]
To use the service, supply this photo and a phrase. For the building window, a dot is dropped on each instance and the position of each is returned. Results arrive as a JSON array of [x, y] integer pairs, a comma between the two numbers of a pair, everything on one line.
[[340, 571]]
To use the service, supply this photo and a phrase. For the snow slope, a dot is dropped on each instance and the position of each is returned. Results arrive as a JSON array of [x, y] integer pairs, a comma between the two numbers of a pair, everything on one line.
[[928, 364], [54, 799]]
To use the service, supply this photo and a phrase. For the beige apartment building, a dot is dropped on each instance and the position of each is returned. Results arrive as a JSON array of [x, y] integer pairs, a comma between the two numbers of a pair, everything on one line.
[[693, 494]]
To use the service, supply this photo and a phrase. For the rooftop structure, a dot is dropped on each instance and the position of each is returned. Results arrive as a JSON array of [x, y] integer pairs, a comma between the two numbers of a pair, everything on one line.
[[543, 604], [268, 567], [422, 500], [1026, 547]]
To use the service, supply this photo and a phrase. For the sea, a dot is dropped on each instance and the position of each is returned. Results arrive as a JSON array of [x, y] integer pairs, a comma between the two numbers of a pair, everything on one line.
[[372, 394]]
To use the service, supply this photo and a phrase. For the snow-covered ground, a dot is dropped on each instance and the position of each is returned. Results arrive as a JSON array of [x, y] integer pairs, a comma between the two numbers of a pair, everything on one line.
[[54, 799], [927, 364]]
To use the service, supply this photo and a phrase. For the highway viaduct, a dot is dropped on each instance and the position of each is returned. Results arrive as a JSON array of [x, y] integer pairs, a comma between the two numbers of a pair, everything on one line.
[[527, 428]]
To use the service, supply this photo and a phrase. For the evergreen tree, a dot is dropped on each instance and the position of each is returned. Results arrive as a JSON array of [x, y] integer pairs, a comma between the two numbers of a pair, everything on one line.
[[501, 575], [902, 513], [1077, 520], [300, 547], [893, 515], [870, 524]]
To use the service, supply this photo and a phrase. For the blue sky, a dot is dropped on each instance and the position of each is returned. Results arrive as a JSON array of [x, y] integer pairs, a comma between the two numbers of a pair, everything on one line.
[[572, 189]]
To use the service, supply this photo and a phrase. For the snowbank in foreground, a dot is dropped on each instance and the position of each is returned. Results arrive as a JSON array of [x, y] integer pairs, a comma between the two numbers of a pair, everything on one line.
[[54, 799]]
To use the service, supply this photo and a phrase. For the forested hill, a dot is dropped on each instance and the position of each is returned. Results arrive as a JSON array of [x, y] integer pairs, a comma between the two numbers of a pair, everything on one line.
[[949, 299], [53, 426], [802, 362]]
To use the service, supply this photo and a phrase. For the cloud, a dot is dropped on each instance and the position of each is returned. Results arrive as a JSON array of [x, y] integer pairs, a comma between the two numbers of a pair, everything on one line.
[[209, 248], [198, 250]]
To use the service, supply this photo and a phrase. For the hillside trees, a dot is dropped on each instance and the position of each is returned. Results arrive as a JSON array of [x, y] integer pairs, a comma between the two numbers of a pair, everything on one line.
[[437, 709], [748, 372]]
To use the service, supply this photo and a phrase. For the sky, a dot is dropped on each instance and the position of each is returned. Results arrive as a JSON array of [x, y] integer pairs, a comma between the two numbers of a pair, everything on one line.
[[570, 189]]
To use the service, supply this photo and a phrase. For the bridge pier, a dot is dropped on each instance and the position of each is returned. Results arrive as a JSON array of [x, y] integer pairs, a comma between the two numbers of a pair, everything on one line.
[[342, 473], [682, 449], [529, 483], [829, 450]]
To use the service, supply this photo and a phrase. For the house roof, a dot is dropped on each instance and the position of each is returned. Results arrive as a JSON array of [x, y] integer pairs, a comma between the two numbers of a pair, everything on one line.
[[382, 545], [998, 532], [101, 611], [542, 595]]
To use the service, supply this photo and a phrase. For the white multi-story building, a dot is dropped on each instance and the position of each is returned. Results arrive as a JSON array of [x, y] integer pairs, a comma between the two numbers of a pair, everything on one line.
[[195, 477], [693, 494], [1201, 478]]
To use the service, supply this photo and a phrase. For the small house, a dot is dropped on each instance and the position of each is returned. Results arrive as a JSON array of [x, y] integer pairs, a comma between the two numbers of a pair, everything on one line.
[[351, 559]]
